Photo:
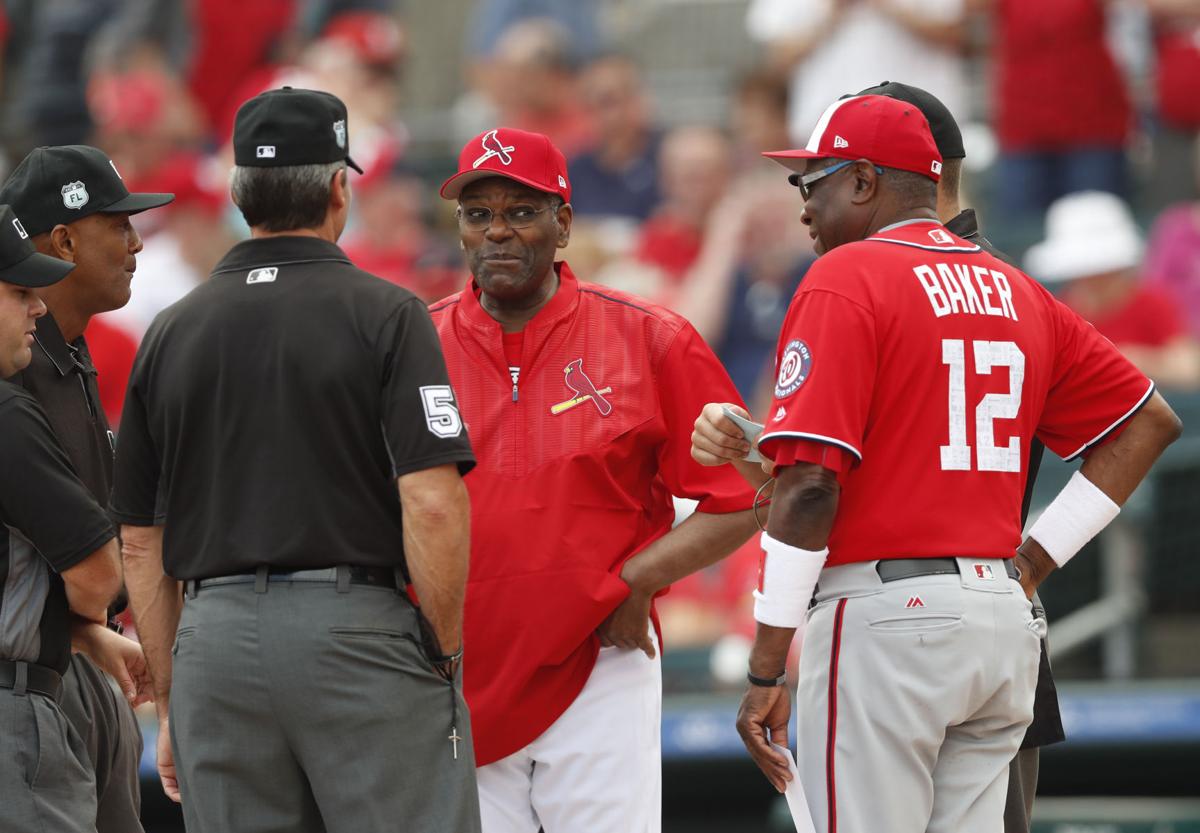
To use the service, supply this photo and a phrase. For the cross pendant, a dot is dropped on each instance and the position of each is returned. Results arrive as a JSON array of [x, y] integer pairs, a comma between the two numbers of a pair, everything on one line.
[[454, 738]]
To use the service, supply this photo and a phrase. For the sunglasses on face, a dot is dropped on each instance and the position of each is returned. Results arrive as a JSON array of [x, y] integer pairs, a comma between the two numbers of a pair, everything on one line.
[[805, 182]]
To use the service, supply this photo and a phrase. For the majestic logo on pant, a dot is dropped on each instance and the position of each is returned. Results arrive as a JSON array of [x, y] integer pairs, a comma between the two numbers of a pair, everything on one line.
[[492, 146], [915, 601], [984, 572], [584, 391]]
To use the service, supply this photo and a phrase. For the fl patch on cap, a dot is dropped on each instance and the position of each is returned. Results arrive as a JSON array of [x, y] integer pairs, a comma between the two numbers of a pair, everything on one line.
[[20, 263], [290, 126], [65, 183], [886, 131], [528, 158]]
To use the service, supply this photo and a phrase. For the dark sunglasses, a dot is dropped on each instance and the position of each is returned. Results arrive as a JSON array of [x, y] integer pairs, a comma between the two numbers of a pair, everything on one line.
[[805, 182]]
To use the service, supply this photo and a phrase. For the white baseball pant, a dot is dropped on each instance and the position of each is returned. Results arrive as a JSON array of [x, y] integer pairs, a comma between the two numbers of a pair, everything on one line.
[[597, 768]]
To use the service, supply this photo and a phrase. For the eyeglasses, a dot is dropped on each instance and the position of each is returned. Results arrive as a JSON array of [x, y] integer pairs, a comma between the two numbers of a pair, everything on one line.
[[806, 182], [476, 218]]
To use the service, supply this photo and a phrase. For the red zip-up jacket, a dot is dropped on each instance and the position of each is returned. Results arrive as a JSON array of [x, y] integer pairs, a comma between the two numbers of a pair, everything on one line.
[[577, 463]]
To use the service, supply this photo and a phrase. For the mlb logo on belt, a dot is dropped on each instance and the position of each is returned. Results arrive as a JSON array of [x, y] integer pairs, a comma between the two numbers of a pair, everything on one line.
[[984, 572]]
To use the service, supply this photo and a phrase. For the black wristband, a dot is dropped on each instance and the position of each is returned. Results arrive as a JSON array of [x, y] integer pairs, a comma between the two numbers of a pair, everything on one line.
[[767, 682]]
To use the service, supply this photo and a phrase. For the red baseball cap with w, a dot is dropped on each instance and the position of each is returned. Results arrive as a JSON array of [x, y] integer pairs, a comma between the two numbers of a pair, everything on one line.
[[885, 130], [529, 158]]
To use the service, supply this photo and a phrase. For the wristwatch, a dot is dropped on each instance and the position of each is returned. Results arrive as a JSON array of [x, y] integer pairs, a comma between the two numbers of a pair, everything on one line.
[[767, 682]]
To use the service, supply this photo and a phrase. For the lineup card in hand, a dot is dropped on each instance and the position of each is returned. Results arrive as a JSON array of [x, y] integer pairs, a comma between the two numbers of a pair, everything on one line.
[[750, 430]]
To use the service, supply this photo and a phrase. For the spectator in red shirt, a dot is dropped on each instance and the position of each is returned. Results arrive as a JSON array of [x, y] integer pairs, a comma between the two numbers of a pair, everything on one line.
[[391, 238], [695, 167], [1177, 87], [531, 82], [1093, 250], [112, 352], [1062, 111]]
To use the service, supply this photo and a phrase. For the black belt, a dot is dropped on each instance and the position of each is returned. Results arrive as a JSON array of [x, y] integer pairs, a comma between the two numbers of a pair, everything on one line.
[[342, 575], [29, 676], [894, 569]]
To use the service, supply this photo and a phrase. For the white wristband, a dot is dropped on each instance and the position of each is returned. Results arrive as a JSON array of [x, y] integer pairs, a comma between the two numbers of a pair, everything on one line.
[[789, 575], [1073, 518]]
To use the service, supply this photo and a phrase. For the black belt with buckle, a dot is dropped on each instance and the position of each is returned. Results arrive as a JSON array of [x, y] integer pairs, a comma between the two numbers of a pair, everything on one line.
[[894, 569], [29, 676], [341, 575]]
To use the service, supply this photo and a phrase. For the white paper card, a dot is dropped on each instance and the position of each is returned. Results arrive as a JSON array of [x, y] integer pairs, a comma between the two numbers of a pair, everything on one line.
[[750, 430], [797, 803]]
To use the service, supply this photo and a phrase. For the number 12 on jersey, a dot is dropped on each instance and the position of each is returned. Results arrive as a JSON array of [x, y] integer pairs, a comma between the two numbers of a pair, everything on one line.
[[987, 355]]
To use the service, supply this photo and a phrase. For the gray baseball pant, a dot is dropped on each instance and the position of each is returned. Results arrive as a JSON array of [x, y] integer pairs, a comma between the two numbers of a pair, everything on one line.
[[44, 783], [913, 698], [108, 726], [306, 709]]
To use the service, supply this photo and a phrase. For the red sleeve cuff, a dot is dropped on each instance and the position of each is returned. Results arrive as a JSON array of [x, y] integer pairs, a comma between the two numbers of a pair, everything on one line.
[[789, 452]]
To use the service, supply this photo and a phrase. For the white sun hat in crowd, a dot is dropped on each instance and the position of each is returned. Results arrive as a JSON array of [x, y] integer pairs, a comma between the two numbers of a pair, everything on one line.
[[1087, 233]]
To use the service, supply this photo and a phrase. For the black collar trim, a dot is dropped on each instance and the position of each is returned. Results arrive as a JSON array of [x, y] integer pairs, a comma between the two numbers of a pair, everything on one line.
[[50, 339], [279, 251]]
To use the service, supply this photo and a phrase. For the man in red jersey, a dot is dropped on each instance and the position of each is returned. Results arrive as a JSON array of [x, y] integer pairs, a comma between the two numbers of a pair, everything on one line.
[[580, 400], [914, 371]]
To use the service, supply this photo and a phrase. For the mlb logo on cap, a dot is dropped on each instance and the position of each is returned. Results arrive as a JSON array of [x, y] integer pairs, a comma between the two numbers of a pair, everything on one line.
[[886, 131], [20, 229], [266, 151]]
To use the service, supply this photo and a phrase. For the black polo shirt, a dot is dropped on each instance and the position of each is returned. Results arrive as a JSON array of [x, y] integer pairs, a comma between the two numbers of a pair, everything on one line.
[[270, 411], [38, 493], [62, 378]]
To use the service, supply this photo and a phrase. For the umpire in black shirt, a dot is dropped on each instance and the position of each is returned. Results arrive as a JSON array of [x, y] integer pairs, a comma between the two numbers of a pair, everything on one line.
[[269, 418], [75, 207], [59, 570], [1046, 727]]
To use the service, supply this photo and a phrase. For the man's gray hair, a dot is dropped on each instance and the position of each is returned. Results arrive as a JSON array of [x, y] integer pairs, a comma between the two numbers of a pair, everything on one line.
[[283, 198]]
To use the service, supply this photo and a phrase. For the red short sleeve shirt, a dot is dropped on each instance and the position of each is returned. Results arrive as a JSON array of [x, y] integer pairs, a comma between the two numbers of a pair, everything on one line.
[[931, 365]]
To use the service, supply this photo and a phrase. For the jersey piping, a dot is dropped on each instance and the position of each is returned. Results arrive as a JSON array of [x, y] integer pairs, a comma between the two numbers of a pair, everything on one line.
[[1099, 437], [967, 249], [821, 438]]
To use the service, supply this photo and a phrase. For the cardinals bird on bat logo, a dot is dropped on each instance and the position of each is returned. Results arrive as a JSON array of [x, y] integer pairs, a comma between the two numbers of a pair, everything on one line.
[[584, 391], [492, 146]]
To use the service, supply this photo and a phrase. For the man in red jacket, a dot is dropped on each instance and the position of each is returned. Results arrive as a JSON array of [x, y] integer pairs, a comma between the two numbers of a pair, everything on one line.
[[580, 401]]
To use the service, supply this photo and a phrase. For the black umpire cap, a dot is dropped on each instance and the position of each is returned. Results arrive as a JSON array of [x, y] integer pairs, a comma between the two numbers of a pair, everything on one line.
[[20, 263], [291, 127], [66, 183], [946, 134]]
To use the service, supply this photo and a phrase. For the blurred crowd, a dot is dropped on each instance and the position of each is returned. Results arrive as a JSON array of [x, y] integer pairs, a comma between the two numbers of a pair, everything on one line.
[[1082, 119]]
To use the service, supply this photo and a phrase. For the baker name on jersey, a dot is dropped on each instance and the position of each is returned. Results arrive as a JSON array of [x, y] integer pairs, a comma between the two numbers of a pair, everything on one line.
[[960, 288]]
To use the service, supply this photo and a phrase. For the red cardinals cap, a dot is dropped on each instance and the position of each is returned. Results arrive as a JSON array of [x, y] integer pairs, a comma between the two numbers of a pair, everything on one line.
[[887, 131], [529, 158]]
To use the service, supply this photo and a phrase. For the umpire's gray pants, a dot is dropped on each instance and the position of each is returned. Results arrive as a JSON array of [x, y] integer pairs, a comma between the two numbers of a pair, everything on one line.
[[108, 726], [914, 696], [44, 784], [308, 710]]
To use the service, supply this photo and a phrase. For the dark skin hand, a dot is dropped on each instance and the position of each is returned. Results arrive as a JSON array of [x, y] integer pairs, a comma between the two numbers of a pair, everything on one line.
[[703, 539]]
